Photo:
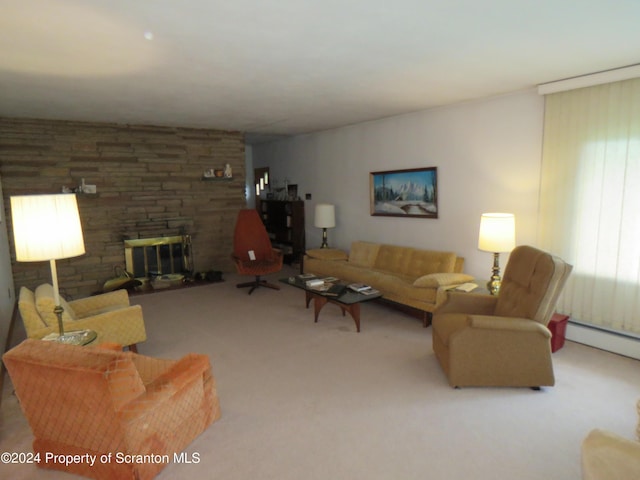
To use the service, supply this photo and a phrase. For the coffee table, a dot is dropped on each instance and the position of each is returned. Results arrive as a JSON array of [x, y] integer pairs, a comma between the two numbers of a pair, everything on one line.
[[348, 302]]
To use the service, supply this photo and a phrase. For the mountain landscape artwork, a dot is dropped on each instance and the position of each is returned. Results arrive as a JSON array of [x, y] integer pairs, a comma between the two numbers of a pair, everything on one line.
[[405, 193]]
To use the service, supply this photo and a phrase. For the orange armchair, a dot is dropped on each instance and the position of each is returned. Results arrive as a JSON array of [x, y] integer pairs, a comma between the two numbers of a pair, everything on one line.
[[98, 402], [251, 236]]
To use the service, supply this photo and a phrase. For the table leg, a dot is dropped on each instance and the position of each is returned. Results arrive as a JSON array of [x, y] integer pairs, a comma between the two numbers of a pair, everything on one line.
[[308, 296], [320, 301], [354, 311]]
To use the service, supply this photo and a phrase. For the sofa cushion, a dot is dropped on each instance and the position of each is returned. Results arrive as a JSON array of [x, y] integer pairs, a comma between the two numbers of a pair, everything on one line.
[[435, 280], [423, 262], [392, 258], [363, 254], [45, 304], [327, 254]]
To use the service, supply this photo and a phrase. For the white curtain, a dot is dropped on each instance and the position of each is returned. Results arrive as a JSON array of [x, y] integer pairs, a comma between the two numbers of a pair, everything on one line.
[[590, 200]]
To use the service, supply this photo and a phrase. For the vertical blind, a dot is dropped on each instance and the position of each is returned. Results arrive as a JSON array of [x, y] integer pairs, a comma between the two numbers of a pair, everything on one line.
[[590, 200]]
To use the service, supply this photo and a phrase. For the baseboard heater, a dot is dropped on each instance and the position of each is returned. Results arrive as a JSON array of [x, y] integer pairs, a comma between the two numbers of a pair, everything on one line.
[[615, 341]]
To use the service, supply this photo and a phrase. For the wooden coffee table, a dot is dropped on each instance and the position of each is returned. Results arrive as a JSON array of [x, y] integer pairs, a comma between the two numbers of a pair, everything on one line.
[[348, 302]]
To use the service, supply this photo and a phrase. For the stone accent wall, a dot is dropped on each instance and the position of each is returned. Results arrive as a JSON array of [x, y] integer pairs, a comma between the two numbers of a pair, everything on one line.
[[149, 183]]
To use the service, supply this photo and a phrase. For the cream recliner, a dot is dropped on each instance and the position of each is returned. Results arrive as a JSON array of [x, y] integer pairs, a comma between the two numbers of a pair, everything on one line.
[[110, 315], [485, 340]]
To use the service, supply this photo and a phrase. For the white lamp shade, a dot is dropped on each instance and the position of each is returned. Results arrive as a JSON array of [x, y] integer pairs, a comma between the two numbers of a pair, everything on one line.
[[497, 232], [325, 216], [46, 227]]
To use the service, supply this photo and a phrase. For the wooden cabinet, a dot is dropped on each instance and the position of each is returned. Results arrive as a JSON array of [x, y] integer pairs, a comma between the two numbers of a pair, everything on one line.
[[284, 221]]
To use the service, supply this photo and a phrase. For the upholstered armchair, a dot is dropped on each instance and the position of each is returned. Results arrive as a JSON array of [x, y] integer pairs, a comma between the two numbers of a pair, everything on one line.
[[115, 405], [252, 251], [485, 340], [606, 455], [110, 315]]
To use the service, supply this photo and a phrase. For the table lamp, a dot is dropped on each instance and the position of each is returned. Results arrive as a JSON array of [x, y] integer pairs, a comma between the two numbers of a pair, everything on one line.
[[47, 227], [497, 234], [325, 217]]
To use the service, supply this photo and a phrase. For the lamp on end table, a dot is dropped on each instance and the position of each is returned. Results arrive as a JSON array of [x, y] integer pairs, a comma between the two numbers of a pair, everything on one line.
[[325, 217], [497, 234]]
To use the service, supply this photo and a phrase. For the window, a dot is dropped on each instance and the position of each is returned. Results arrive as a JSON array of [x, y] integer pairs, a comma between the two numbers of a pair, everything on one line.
[[590, 200]]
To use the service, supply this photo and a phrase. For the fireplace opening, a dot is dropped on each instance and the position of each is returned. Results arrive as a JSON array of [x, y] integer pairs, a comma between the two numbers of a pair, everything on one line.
[[150, 258]]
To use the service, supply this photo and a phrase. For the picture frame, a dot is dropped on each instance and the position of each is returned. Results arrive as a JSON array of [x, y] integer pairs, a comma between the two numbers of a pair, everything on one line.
[[404, 193]]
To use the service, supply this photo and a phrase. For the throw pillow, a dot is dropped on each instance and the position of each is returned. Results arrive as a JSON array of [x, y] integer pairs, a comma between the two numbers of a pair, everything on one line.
[[435, 280], [45, 305]]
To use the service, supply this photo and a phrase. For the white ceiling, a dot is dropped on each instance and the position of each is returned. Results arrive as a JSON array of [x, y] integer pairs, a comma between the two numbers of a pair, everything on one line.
[[282, 67]]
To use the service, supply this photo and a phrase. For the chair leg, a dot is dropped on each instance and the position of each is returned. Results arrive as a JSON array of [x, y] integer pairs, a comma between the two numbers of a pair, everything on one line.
[[256, 284]]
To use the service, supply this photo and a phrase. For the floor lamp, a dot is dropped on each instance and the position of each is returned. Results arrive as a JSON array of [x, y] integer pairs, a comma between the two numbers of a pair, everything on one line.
[[47, 227], [497, 234], [325, 218]]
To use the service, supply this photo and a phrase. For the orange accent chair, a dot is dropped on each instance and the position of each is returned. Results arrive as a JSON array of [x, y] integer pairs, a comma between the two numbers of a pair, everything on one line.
[[251, 236], [103, 401]]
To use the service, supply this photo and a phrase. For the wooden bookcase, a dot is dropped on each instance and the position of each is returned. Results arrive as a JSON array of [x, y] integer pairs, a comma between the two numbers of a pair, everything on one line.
[[284, 221]]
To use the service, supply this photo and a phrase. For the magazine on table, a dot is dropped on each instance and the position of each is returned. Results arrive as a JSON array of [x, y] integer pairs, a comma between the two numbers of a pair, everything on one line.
[[359, 287], [335, 290], [369, 291], [330, 279]]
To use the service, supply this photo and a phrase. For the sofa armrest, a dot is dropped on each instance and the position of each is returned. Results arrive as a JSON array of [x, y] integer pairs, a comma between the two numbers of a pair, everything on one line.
[[461, 302], [606, 455], [327, 254], [508, 323], [84, 306]]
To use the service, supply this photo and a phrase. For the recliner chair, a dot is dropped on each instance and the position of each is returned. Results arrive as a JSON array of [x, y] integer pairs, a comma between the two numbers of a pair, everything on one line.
[[485, 340], [252, 251]]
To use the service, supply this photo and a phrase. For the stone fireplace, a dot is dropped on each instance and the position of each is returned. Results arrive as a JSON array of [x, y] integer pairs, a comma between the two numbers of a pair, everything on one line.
[[150, 183], [148, 258]]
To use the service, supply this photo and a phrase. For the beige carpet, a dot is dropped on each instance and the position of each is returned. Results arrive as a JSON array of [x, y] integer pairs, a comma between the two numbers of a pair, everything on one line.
[[320, 401]]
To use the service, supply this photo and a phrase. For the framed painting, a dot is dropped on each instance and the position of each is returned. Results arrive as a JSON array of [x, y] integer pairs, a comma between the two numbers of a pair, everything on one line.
[[405, 193]]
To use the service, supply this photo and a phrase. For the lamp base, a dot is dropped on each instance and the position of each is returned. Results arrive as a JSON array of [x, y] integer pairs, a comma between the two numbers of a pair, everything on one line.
[[324, 239], [493, 285], [80, 337]]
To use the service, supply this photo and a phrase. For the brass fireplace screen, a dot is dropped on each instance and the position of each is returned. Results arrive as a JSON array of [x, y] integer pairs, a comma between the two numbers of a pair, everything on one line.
[[149, 257]]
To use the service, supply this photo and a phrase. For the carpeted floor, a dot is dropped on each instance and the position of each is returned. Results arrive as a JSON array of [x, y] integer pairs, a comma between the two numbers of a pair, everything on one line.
[[320, 401]]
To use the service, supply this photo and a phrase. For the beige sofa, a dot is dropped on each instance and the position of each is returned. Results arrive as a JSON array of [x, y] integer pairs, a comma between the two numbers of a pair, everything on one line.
[[409, 276], [606, 455]]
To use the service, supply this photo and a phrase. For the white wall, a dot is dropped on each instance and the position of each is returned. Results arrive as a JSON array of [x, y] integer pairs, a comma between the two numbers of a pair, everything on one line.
[[488, 156]]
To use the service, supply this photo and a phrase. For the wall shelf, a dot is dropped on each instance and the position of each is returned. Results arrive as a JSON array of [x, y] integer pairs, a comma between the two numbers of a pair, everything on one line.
[[216, 179]]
